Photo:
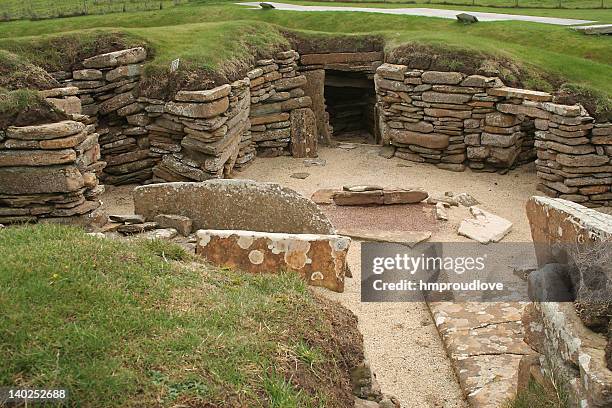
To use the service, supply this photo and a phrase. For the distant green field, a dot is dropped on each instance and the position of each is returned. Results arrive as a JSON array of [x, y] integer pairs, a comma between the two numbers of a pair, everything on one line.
[[568, 4], [37, 9], [43, 9]]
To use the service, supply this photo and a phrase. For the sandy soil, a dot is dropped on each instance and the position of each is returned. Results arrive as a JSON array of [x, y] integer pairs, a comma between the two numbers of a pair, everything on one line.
[[400, 338]]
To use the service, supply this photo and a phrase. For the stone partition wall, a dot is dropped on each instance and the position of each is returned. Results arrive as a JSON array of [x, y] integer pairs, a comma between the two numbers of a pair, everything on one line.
[[456, 121], [277, 101]]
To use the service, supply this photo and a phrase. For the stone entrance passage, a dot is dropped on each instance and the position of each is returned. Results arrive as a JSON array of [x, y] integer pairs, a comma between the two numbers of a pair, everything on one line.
[[351, 99]]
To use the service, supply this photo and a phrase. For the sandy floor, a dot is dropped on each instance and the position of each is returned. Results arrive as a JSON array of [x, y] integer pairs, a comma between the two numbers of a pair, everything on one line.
[[400, 338]]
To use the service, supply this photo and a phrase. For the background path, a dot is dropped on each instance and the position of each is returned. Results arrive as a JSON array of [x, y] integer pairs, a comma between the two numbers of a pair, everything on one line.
[[427, 12]]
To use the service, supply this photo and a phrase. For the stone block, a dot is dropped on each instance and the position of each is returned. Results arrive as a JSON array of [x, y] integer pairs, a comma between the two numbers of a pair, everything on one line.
[[113, 59], [44, 132], [233, 204], [208, 95], [508, 92], [440, 77], [180, 223], [319, 259], [198, 110]]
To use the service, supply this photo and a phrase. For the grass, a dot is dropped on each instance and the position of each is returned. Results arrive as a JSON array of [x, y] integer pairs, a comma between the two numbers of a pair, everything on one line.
[[537, 396], [41, 9], [504, 4], [141, 323], [197, 34]]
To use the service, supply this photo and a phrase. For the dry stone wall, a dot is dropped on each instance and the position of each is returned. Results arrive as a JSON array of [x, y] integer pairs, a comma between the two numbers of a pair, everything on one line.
[[49, 171], [277, 101], [456, 121], [198, 135]]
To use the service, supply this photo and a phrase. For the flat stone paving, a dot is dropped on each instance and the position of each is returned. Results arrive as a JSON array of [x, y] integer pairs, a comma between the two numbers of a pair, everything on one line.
[[485, 344], [427, 12]]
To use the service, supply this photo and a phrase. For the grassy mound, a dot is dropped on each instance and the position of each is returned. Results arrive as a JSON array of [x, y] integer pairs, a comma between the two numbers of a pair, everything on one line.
[[217, 41], [141, 323]]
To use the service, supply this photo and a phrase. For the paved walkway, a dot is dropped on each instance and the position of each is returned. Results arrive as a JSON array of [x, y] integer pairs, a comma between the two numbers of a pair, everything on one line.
[[428, 12]]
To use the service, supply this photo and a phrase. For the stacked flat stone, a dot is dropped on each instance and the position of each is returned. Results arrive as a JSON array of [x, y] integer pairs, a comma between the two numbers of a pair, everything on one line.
[[64, 99], [276, 90], [49, 171], [106, 90], [574, 156], [426, 114], [211, 126]]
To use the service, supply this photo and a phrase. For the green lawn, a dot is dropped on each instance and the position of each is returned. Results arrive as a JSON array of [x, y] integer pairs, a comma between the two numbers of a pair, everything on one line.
[[126, 324], [197, 33]]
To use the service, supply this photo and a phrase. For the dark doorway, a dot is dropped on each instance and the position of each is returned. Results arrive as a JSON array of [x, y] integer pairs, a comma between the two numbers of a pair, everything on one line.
[[350, 99]]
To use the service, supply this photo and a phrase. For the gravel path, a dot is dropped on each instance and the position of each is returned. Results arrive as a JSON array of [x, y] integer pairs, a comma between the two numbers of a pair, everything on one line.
[[428, 12]]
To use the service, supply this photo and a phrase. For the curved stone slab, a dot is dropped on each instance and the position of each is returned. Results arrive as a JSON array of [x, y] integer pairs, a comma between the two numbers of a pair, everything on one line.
[[234, 205]]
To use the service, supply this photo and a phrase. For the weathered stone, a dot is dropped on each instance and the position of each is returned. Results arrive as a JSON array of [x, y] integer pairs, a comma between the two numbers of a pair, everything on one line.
[[315, 89], [87, 75], [508, 92], [113, 59], [391, 85], [484, 227], [233, 204], [36, 157], [44, 132], [35, 180], [370, 197], [447, 113], [319, 259], [428, 140], [421, 127], [403, 196], [441, 212], [198, 110], [116, 102], [178, 222], [123, 72], [438, 97], [582, 160], [531, 111], [441, 77], [392, 71], [204, 96], [304, 136], [286, 84], [127, 218], [499, 119], [69, 104], [324, 196], [130, 229], [497, 140]]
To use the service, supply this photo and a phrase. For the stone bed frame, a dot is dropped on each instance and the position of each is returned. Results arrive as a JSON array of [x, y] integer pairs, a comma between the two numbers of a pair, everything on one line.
[[449, 119]]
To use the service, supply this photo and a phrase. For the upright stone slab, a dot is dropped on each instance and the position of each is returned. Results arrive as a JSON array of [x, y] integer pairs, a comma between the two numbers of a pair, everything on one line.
[[304, 136], [319, 259], [234, 205], [315, 89]]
